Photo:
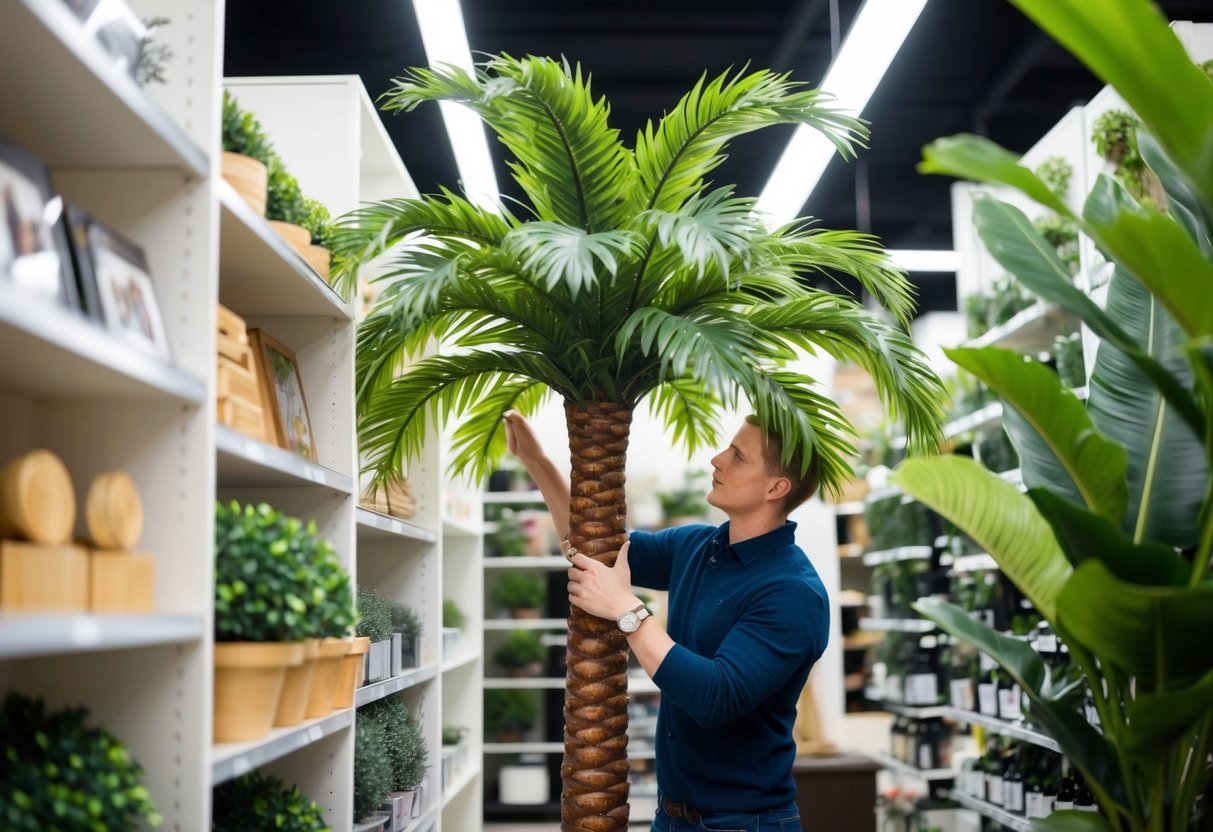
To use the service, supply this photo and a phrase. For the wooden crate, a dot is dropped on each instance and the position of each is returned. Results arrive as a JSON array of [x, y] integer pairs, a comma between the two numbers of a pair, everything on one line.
[[231, 325], [35, 578], [243, 417], [122, 582], [235, 382]]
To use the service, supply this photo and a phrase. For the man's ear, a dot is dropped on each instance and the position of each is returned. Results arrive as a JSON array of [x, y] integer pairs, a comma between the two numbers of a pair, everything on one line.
[[778, 489]]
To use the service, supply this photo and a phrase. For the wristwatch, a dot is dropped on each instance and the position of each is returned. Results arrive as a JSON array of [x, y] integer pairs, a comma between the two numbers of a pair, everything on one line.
[[629, 622]]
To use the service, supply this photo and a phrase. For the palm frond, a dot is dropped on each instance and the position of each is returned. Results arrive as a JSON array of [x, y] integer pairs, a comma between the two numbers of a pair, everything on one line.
[[479, 440], [675, 156], [392, 424], [713, 350], [690, 411], [906, 384], [787, 403], [714, 228], [571, 164], [564, 255], [849, 252]]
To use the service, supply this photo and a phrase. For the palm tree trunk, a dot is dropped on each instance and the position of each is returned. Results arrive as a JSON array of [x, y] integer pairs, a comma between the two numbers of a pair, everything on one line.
[[594, 794]]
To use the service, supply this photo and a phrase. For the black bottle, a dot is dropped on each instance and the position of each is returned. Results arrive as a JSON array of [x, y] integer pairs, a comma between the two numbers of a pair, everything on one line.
[[994, 773], [1065, 788], [1012, 785]]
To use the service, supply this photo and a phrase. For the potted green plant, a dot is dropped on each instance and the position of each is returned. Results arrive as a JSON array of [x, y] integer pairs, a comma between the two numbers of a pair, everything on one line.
[[260, 801], [686, 504], [246, 154], [522, 594], [286, 207], [452, 624], [506, 539], [407, 623], [332, 617], [406, 750], [319, 225], [372, 772], [521, 654], [56, 772], [1114, 135], [262, 586], [1112, 541], [509, 713], [375, 623]]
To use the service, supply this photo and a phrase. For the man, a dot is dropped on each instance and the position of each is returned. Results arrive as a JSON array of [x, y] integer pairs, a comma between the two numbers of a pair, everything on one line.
[[748, 617]]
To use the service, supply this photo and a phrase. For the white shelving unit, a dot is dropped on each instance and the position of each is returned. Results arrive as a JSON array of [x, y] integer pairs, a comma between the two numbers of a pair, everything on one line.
[[1015, 730], [897, 625], [926, 775], [1017, 822], [897, 553]]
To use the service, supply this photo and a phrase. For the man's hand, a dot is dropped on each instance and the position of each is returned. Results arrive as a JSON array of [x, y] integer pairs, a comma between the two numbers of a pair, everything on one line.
[[601, 590], [520, 439]]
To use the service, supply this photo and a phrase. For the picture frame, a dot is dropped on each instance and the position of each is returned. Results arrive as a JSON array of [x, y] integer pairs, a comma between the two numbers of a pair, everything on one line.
[[34, 255], [116, 285], [281, 381], [116, 28]]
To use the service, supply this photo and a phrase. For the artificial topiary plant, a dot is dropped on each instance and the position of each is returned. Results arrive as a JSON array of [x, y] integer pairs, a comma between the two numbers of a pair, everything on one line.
[[330, 612], [243, 134], [452, 616], [374, 615], [403, 742], [521, 649], [58, 773], [509, 711], [519, 591], [263, 574], [405, 620], [284, 198], [259, 801], [372, 766]]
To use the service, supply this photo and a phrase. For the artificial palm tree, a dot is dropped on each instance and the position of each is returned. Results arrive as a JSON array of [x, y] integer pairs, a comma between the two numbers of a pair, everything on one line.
[[624, 278]]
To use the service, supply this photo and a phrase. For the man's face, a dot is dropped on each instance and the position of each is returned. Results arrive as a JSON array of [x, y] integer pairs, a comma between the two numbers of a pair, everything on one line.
[[740, 481]]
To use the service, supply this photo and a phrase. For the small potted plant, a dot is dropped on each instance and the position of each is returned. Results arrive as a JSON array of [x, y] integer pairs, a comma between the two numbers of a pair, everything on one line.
[[507, 539], [262, 583], [251, 801], [319, 225], [1115, 137], [353, 663], [56, 772], [405, 746], [407, 623], [246, 154], [522, 594], [286, 207], [521, 654], [686, 504], [452, 624], [331, 618], [372, 772], [509, 713], [376, 624]]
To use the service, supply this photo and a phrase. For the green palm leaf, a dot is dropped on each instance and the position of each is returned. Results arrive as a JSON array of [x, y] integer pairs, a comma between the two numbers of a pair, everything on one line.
[[563, 255], [715, 228], [479, 440], [713, 349], [689, 411]]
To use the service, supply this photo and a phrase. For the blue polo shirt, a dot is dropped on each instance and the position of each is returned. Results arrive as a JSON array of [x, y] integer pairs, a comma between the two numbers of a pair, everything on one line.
[[748, 622]]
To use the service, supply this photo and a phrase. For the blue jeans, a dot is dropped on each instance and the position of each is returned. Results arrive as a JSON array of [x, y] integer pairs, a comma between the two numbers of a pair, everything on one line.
[[786, 819]]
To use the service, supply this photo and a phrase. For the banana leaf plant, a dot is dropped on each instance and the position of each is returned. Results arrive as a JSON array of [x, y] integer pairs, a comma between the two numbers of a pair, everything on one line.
[[623, 278], [1112, 540]]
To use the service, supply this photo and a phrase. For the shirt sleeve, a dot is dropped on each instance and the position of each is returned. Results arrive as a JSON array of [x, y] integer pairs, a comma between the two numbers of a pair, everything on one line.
[[651, 558], [774, 637]]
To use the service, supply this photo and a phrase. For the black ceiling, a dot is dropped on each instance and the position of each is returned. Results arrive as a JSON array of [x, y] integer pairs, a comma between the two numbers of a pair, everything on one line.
[[968, 65]]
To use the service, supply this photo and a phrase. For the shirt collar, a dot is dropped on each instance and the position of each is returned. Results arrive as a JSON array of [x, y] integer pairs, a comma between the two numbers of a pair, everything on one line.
[[748, 551]]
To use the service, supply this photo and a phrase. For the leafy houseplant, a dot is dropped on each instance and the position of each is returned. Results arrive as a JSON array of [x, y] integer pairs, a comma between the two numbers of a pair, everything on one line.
[[452, 616], [407, 622], [685, 502], [403, 742], [521, 654], [507, 538], [246, 153], [625, 279], [286, 207], [372, 766], [1112, 542], [509, 713], [58, 773], [320, 227], [259, 801], [1115, 137], [523, 595], [374, 615]]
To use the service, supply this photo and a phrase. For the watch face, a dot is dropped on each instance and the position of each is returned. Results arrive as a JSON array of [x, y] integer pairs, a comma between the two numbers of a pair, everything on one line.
[[628, 622]]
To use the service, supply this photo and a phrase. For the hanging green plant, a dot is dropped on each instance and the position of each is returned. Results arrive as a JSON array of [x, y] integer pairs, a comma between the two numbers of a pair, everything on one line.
[[259, 801], [56, 772], [1056, 173], [1062, 234], [1115, 138]]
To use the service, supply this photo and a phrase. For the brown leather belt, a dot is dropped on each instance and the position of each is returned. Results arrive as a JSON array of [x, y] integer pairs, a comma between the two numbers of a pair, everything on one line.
[[681, 811]]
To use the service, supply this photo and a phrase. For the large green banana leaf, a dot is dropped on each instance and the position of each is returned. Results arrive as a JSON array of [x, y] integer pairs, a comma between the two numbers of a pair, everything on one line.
[[1069, 820], [1009, 236], [1156, 721], [1084, 535], [1058, 446], [1129, 45], [995, 515], [1182, 201], [1159, 634], [1168, 470]]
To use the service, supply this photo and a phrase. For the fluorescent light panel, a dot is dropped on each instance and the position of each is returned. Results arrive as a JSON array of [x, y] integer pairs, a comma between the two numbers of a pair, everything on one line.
[[871, 44], [924, 260], [446, 42]]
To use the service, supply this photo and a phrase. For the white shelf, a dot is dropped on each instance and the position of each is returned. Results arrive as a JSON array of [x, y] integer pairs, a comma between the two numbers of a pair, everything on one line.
[[46, 56], [989, 810], [459, 785], [229, 760], [260, 274], [52, 352], [898, 553], [927, 775], [527, 562], [244, 462], [459, 528], [424, 821], [367, 694], [513, 497], [896, 625], [1014, 477], [895, 707], [459, 661], [526, 624], [852, 507], [22, 636], [1002, 726], [375, 526], [987, 416], [974, 563], [1031, 330]]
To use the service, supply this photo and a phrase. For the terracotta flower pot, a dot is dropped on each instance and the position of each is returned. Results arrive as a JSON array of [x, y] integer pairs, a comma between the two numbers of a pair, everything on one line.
[[292, 704], [248, 682], [351, 673], [328, 671], [248, 177], [319, 258], [296, 236]]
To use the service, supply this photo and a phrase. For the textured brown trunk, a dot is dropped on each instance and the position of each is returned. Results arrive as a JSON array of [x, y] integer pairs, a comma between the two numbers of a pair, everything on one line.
[[594, 794]]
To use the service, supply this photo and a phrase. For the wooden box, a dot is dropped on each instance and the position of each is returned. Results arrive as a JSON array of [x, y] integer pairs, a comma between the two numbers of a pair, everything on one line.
[[232, 325], [234, 351], [235, 382], [122, 582], [36, 578], [242, 416]]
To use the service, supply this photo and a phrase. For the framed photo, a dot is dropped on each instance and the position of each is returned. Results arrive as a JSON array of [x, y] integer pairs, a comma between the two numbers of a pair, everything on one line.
[[34, 256], [282, 394], [116, 284]]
